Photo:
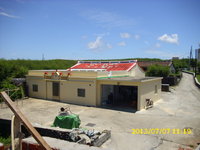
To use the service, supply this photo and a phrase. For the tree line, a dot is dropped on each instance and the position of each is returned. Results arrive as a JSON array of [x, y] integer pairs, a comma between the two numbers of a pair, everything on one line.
[[18, 68]]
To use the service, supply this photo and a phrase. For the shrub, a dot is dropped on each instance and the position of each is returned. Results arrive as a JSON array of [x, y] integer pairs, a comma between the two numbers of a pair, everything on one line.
[[5, 141], [158, 71], [198, 67]]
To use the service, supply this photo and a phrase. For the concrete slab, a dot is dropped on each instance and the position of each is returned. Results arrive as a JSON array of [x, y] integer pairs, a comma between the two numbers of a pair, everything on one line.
[[60, 144]]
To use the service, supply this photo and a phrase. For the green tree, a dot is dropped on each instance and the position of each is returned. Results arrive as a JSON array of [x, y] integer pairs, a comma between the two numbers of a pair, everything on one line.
[[181, 64], [198, 67], [158, 71]]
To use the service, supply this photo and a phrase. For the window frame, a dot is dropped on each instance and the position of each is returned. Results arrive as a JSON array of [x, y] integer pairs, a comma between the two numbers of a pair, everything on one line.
[[81, 92], [35, 87], [55, 88]]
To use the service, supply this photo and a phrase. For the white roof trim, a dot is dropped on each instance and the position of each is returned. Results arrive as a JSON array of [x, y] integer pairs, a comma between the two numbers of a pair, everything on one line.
[[88, 69], [131, 67]]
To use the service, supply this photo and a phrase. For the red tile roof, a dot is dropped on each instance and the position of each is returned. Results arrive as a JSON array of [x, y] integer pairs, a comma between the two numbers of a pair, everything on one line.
[[105, 65]]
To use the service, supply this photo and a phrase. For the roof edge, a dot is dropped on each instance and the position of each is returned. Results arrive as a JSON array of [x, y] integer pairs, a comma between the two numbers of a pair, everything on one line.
[[131, 67], [124, 61]]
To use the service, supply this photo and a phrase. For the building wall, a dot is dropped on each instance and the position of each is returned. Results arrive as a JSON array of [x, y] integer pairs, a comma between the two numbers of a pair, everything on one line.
[[137, 72], [68, 92], [41, 93], [74, 74], [147, 90], [93, 90], [49, 94]]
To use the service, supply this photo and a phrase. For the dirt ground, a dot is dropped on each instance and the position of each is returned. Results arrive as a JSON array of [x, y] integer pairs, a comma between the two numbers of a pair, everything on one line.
[[178, 109]]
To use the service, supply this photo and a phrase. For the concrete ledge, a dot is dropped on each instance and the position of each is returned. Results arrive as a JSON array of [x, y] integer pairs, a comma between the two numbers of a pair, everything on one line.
[[195, 79], [189, 72], [197, 82], [55, 144], [64, 134]]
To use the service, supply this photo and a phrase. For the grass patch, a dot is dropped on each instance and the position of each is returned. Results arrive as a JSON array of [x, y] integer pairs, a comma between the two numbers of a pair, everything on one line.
[[190, 71], [5, 141], [178, 74], [198, 77]]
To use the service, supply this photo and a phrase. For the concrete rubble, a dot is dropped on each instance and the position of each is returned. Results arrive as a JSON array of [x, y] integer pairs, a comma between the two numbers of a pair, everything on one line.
[[89, 137]]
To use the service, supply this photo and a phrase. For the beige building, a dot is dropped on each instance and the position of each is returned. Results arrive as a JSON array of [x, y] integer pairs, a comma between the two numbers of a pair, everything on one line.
[[112, 84]]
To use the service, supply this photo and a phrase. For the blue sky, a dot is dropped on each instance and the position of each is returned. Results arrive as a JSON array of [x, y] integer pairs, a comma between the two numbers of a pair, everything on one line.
[[98, 29]]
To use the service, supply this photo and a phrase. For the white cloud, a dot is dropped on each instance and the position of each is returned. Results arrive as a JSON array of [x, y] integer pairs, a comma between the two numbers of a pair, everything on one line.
[[122, 44], [99, 44], [8, 15], [125, 35], [96, 44], [173, 38], [136, 36]]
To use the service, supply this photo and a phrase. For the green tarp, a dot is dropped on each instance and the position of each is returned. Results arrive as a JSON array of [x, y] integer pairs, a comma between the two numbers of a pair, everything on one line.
[[67, 122]]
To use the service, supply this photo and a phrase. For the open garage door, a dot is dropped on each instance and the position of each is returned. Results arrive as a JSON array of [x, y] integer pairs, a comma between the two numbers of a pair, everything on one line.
[[119, 96]]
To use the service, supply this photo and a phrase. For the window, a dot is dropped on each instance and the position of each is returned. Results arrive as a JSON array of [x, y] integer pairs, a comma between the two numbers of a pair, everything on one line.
[[35, 88], [81, 92], [56, 88], [156, 89]]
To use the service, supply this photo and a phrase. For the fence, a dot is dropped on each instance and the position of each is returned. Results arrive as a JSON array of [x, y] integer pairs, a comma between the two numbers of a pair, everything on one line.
[[11, 93]]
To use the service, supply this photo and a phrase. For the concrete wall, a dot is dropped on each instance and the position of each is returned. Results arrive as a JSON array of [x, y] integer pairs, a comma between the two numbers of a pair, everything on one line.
[[49, 94], [137, 72], [147, 91], [93, 89], [64, 73], [68, 92], [41, 87]]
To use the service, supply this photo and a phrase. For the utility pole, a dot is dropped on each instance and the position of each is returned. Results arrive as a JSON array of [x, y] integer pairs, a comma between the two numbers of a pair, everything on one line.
[[42, 56], [195, 65], [190, 58], [196, 57]]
